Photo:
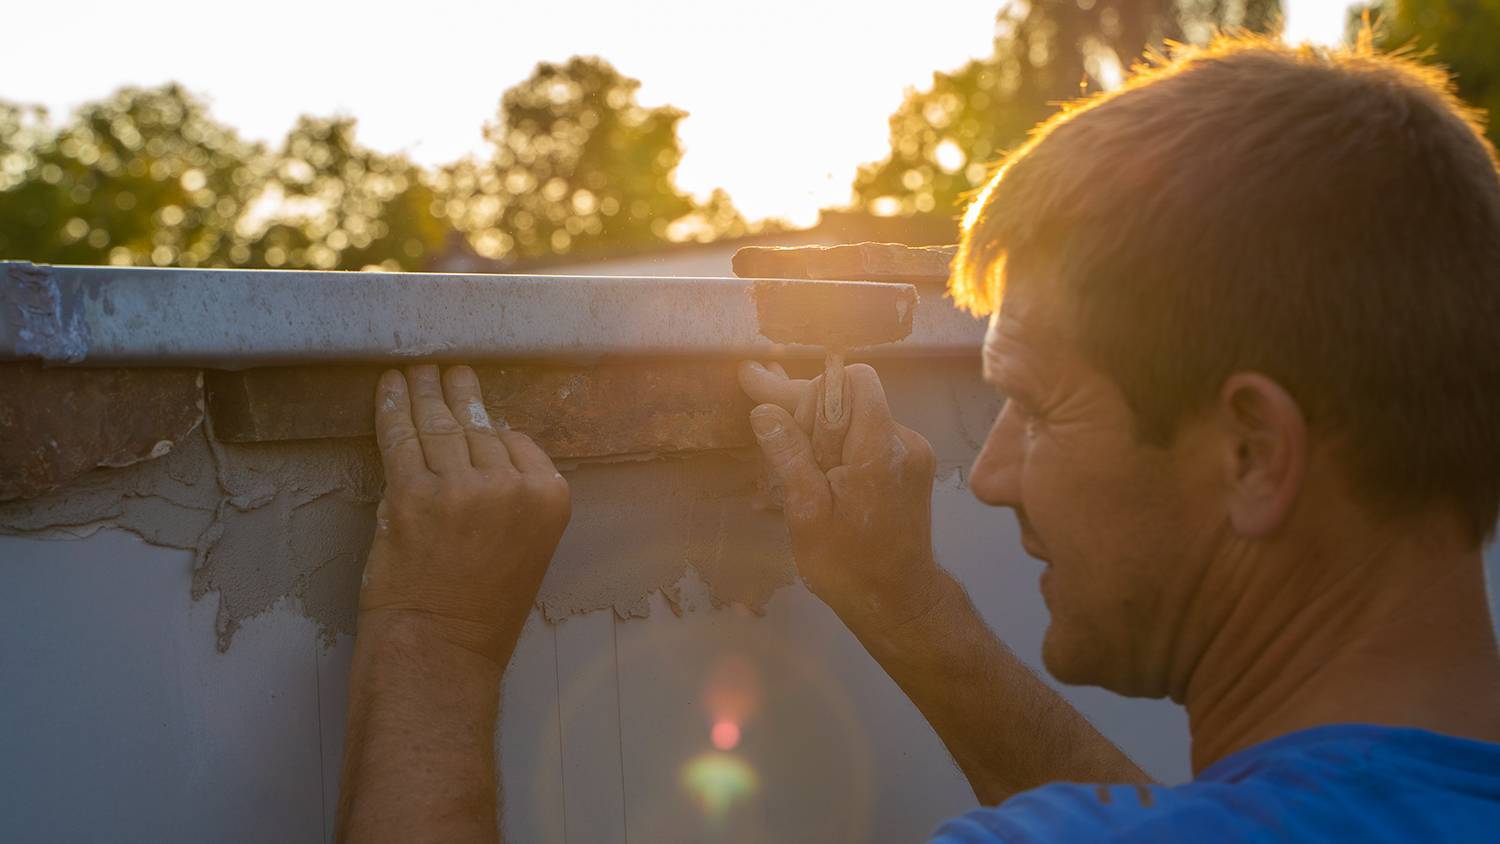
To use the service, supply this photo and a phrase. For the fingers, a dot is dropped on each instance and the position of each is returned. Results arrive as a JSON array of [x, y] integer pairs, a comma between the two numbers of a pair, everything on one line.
[[526, 455], [828, 440], [806, 412], [870, 424], [443, 440], [466, 403], [789, 453], [771, 386], [400, 451]]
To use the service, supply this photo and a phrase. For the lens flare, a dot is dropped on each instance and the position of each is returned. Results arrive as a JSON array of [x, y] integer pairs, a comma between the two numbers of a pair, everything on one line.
[[732, 689], [718, 781], [725, 735]]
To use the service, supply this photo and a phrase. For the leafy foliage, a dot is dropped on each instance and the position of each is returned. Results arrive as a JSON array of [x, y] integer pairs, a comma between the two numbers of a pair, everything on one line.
[[577, 164], [340, 205], [1046, 53], [147, 177], [1461, 35]]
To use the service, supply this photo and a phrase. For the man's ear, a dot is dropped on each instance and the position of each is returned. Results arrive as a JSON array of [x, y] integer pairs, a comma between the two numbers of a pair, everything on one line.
[[1265, 456]]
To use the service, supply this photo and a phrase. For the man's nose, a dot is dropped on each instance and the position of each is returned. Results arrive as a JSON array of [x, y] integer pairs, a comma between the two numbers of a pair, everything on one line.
[[995, 477]]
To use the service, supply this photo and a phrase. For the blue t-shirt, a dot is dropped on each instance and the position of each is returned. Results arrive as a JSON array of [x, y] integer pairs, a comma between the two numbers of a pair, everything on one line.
[[1345, 782]]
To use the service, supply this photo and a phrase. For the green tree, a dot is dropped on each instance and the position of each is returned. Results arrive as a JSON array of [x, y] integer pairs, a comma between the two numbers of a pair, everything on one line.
[[329, 203], [1047, 52], [145, 176], [578, 164], [1461, 35]]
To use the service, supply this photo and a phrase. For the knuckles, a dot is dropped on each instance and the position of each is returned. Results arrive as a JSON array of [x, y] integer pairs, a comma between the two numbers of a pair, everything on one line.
[[478, 498], [440, 424], [551, 498], [920, 455], [395, 435]]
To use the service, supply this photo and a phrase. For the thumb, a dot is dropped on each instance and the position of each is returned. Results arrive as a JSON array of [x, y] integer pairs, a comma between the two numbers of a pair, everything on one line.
[[789, 452]]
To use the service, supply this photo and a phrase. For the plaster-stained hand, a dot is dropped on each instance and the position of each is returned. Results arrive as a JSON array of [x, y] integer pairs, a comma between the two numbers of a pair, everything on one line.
[[471, 515], [861, 532]]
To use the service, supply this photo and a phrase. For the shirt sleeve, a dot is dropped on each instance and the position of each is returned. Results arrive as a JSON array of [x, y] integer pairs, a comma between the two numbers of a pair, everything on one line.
[[1068, 812]]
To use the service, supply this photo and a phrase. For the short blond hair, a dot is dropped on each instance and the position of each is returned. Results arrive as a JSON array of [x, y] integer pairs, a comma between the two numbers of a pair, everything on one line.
[[1330, 217]]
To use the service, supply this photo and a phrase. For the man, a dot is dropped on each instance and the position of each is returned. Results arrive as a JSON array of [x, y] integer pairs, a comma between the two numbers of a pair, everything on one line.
[[1246, 315]]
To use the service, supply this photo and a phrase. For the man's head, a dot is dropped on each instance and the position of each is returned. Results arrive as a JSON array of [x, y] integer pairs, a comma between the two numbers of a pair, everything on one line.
[[1254, 292]]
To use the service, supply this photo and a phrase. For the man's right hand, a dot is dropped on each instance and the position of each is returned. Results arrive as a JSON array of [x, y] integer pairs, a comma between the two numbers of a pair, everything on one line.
[[861, 532], [471, 515]]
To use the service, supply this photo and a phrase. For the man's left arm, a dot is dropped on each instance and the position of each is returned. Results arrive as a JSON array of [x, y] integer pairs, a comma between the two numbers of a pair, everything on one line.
[[470, 518]]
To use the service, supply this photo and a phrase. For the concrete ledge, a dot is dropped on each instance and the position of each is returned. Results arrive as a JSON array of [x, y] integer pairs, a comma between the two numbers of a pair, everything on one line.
[[239, 319]]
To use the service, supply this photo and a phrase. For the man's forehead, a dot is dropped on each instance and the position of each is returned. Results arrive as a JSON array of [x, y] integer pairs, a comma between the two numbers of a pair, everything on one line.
[[1006, 342], [1023, 330], [1033, 304], [1021, 319]]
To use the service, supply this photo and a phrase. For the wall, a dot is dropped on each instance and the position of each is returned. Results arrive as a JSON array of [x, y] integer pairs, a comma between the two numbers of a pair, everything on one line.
[[130, 720], [158, 689]]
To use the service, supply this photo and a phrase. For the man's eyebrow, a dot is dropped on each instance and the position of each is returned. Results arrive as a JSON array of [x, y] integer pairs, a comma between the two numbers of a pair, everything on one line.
[[1019, 381], [1003, 381]]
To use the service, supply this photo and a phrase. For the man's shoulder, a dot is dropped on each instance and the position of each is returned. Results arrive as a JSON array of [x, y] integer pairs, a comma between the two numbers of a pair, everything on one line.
[[1340, 782], [1082, 812]]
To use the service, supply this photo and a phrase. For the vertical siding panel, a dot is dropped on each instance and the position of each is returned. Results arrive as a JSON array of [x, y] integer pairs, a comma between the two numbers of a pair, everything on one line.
[[589, 721], [333, 703], [529, 740]]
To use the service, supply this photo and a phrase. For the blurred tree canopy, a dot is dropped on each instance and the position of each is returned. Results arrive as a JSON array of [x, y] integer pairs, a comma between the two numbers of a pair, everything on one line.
[[145, 176], [148, 177], [578, 164], [1462, 35], [334, 204], [1047, 52]]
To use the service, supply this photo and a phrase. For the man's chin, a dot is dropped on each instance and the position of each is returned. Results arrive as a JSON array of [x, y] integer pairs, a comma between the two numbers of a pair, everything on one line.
[[1086, 658], [1065, 661]]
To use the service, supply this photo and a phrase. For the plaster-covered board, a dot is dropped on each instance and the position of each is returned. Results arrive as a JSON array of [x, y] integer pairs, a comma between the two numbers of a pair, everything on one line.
[[865, 261]]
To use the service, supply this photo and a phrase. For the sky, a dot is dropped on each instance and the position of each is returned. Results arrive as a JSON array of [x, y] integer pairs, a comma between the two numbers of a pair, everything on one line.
[[785, 98]]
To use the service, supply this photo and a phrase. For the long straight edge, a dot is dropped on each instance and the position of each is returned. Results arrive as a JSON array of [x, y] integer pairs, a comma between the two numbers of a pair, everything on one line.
[[237, 319]]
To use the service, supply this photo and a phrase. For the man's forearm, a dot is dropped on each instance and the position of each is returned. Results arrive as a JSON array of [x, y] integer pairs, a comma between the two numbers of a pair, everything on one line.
[[1007, 730], [419, 760]]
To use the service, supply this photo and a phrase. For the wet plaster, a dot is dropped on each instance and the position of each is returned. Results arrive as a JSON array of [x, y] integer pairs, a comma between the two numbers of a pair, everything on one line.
[[648, 521], [295, 519]]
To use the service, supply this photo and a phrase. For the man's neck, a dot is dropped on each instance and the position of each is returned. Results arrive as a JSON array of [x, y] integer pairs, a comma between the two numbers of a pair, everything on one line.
[[1399, 635]]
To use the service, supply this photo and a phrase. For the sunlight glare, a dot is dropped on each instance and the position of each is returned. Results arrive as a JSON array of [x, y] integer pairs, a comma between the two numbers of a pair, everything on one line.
[[1316, 21]]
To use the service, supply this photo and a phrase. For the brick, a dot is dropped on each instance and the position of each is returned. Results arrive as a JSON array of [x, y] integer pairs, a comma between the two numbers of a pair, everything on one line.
[[647, 407], [56, 424]]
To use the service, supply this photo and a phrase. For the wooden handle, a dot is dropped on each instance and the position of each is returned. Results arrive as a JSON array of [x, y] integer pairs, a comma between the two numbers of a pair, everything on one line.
[[833, 387], [831, 422]]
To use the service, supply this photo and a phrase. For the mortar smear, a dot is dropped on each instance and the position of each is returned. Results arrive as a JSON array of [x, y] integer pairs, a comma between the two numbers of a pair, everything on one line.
[[295, 519], [637, 526]]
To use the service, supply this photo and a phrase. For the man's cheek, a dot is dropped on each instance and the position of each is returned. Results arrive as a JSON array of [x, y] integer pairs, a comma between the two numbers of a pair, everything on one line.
[[1080, 583]]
